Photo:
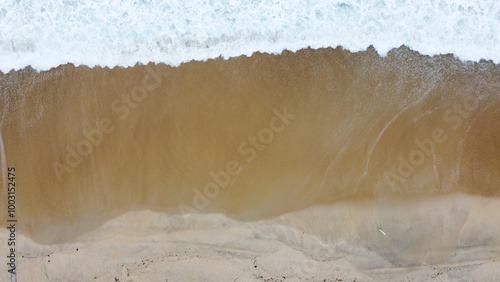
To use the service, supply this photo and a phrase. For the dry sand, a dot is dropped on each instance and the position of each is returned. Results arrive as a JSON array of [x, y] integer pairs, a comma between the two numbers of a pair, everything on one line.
[[440, 238]]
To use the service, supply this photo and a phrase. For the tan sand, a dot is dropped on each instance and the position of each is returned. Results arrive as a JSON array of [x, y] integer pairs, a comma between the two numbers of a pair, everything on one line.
[[453, 237], [249, 153]]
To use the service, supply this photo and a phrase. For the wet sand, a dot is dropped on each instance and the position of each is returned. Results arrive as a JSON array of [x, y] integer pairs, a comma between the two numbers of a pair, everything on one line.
[[250, 137]]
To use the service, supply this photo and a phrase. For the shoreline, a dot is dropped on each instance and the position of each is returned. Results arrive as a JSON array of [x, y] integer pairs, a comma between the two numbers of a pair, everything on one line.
[[370, 48], [322, 242], [99, 141]]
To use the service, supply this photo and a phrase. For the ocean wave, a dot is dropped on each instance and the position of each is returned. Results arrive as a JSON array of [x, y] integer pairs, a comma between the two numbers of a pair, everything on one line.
[[122, 33]]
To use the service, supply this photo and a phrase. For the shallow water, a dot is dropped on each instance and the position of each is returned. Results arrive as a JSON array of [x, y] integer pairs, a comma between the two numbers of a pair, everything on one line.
[[280, 133]]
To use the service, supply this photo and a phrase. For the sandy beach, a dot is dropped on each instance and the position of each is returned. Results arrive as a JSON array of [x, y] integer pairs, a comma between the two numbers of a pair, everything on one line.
[[309, 166], [453, 237]]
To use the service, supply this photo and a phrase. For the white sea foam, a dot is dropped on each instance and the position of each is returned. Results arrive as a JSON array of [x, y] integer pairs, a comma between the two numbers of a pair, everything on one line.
[[45, 34]]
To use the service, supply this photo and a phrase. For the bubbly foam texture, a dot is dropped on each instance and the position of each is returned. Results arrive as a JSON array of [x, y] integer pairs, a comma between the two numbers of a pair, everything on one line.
[[122, 33]]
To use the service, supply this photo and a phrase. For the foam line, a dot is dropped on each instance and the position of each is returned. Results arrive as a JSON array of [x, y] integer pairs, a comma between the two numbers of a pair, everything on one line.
[[45, 34]]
